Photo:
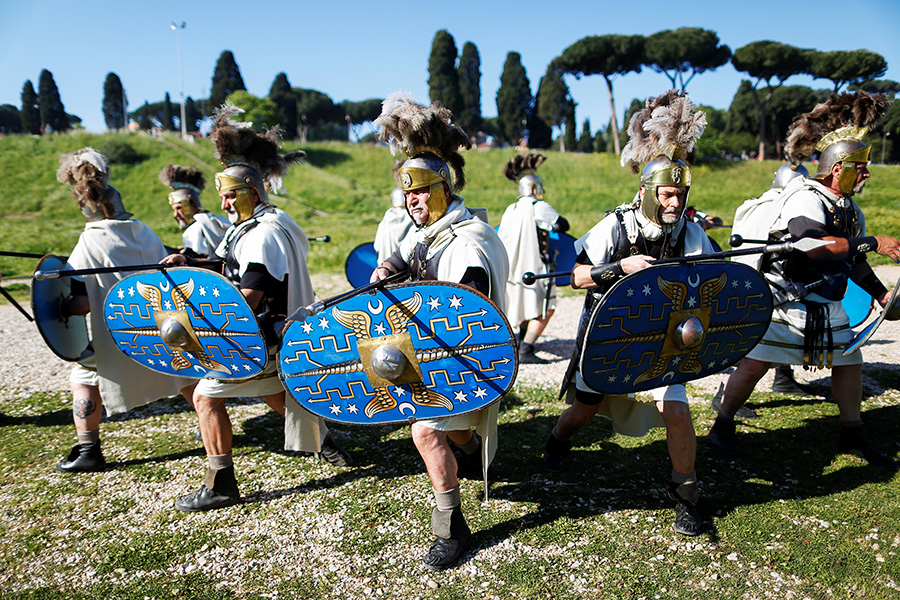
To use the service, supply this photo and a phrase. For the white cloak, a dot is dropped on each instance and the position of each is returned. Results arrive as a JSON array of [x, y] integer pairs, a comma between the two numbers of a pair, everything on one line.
[[205, 233]]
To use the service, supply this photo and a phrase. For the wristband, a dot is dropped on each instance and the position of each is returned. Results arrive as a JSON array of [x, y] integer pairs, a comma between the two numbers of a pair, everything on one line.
[[861, 245], [607, 273]]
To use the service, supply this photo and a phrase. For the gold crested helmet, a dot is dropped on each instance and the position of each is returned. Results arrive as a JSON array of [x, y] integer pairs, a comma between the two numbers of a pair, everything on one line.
[[432, 143], [251, 161], [661, 136], [835, 130]]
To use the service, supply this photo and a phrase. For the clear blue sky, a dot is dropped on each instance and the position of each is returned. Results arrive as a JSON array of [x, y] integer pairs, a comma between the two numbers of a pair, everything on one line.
[[354, 50]]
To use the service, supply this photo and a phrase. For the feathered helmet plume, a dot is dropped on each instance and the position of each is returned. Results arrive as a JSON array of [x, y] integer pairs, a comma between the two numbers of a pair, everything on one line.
[[88, 171], [521, 165], [418, 131], [178, 177], [668, 126], [846, 116], [237, 145]]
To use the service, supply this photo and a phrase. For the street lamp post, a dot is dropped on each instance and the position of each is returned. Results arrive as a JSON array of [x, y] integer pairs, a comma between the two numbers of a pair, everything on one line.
[[177, 28]]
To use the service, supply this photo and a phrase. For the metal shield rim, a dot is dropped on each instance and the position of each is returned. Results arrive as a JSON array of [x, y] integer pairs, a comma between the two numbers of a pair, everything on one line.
[[411, 419], [88, 351]]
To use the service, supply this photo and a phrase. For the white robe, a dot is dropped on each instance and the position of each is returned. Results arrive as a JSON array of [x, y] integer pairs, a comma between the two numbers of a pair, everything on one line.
[[278, 243], [518, 232], [395, 225], [205, 233], [124, 384]]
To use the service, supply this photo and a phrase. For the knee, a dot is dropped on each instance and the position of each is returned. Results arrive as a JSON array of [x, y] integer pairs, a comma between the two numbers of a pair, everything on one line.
[[427, 439]]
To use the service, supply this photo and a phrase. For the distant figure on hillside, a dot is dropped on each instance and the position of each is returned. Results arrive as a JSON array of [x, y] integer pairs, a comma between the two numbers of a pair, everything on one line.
[[525, 231], [201, 230], [395, 224]]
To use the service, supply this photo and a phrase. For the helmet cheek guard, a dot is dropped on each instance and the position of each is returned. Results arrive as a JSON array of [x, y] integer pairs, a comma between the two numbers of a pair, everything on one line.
[[846, 147], [427, 172], [241, 179], [186, 200]]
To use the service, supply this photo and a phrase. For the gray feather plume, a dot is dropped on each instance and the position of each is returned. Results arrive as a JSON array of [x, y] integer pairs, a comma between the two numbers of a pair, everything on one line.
[[668, 124]]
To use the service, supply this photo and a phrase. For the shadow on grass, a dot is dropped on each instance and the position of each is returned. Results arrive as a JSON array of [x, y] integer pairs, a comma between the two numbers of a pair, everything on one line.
[[321, 157]]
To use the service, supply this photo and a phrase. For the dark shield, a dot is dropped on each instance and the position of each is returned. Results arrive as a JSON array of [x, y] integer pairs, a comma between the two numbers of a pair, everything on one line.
[[67, 337], [187, 322], [407, 352], [674, 323], [562, 251]]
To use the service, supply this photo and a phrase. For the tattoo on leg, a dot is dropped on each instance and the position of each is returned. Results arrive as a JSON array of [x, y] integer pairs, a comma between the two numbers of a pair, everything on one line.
[[83, 407]]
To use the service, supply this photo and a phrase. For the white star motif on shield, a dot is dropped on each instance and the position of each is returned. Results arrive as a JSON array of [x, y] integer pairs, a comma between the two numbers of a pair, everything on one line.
[[460, 396], [629, 292], [202, 290], [216, 292], [167, 305], [734, 283], [691, 301], [611, 379], [149, 361], [335, 409], [434, 303], [247, 368], [455, 302], [399, 391], [711, 365], [480, 392], [627, 378], [131, 291], [234, 367], [306, 327], [747, 285], [646, 289], [121, 294], [323, 323], [379, 328], [351, 408]]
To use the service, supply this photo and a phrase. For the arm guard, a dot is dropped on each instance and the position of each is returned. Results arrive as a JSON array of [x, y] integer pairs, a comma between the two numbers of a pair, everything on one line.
[[607, 273]]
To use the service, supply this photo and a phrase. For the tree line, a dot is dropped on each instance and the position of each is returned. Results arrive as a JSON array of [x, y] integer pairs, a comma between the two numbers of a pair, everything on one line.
[[759, 114]]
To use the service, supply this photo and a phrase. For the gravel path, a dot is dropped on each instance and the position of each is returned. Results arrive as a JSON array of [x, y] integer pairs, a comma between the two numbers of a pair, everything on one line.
[[27, 365]]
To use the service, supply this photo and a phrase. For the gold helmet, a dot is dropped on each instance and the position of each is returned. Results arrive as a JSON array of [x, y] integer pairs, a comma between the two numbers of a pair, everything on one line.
[[835, 129], [523, 169], [251, 160], [187, 183], [432, 143], [662, 137], [88, 171]]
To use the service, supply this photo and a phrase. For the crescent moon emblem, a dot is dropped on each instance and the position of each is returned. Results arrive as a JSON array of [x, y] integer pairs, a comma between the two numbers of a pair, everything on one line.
[[404, 405], [693, 283], [165, 286], [376, 310], [669, 374]]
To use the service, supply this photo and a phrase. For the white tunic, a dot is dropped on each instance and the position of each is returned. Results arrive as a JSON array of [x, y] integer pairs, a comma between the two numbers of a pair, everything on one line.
[[205, 233], [124, 384]]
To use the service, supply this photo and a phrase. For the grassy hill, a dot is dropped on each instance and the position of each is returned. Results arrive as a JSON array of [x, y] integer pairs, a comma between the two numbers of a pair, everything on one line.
[[343, 190]]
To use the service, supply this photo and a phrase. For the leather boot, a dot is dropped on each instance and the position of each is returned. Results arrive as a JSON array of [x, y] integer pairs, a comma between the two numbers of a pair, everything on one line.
[[219, 489], [687, 518], [333, 454], [527, 355], [555, 453], [853, 441], [722, 434], [453, 537], [784, 383], [84, 458]]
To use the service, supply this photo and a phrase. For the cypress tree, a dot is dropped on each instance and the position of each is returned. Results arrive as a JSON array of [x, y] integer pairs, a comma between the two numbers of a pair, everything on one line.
[[514, 99], [53, 113], [114, 102], [30, 113], [167, 113], [443, 80], [285, 101], [225, 80], [191, 114], [469, 74]]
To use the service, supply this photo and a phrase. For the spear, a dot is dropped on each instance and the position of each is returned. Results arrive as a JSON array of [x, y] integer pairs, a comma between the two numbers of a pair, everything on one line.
[[324, 238], [803, 245], [313, 309], [41, 275], [20, 254], [16, 304]]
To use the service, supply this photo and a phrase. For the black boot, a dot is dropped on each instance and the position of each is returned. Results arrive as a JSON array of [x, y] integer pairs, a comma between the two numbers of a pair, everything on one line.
[[469, 466], [219, 489], [853, 441], [721, 435], [687, 518], [555, 453], [84, 458], [527, 355], [784, 383], [453, 537], [333, 454]]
